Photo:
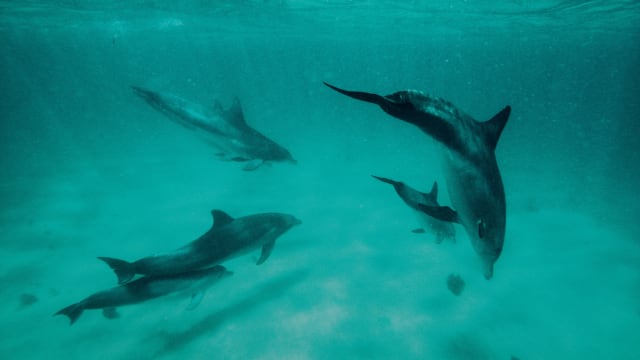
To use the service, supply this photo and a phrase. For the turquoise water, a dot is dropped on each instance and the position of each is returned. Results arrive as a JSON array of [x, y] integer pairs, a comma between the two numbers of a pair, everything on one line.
[[87, 169]]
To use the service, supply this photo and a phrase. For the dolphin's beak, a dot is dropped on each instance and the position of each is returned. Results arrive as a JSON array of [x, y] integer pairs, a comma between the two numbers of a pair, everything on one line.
[[147, 95], [368, 97], [388, 181], [297, 221], [140, 91]]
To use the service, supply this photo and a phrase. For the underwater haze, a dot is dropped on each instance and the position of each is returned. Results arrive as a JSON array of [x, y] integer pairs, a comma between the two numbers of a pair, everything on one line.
[[88, 169]]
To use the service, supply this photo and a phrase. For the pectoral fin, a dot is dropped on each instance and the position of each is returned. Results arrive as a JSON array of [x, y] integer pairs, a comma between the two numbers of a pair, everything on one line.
[[196, 299], [442, 213], [222, 156], [110, 313], [253, 164], [418, 231], [230, 157], [266, 251]]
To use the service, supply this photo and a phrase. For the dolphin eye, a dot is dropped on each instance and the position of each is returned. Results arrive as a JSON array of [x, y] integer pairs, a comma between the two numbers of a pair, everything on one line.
[[482, 229]]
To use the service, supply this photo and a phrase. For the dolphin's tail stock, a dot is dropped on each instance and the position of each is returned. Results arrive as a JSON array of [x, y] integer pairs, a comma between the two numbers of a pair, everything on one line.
[[73, 312], [124, 270]]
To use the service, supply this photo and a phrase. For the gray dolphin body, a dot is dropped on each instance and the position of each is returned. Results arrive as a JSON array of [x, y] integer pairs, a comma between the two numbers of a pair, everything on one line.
[[226, 130], [414, 199], [227, 238], [147, 288], [471, 170]]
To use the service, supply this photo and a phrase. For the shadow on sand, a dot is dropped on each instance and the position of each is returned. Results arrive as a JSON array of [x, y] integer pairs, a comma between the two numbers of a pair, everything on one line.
[[174, 341]]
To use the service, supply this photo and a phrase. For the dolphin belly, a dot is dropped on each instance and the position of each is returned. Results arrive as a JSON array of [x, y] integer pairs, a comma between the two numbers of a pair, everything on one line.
[[227, 238], [473, 178], [476, 192], [144, 289], [226, 129]]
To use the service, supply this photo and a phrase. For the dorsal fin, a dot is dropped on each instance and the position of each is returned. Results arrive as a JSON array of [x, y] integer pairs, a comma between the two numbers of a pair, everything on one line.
[[110, 313], [217, 107], [234, 115], [434, 191], [220, 218], [493, 128]]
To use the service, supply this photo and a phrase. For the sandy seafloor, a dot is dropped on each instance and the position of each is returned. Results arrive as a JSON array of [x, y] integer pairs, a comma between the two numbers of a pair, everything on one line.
[[91, 171]]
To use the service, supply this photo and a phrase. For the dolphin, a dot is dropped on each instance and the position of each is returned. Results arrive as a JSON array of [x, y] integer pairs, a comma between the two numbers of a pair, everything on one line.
[[227, 238], [471, 170], [226, 130], [147, 288], [414, 198]]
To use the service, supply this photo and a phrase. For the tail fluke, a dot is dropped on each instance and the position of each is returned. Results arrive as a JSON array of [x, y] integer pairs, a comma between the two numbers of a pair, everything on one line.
[[73, 312], [124, 270]]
